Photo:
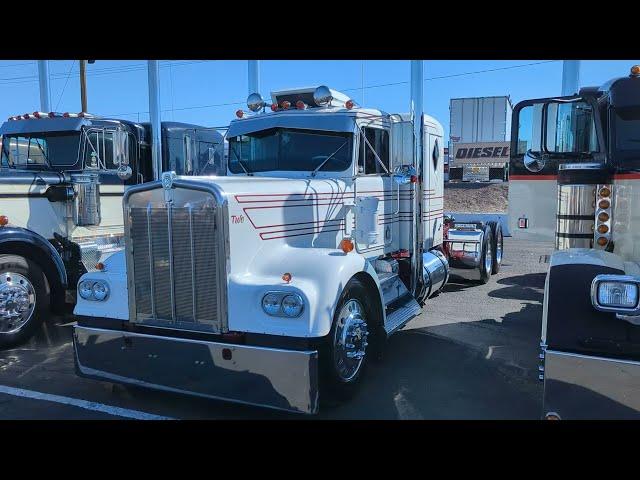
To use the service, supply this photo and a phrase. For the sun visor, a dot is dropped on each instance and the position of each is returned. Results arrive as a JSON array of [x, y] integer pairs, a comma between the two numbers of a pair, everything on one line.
[[302, 120], [39, 125]]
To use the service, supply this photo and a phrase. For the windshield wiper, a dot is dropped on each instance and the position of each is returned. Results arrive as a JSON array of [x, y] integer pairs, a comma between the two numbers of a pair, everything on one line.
[[315, 171], [240, 161]]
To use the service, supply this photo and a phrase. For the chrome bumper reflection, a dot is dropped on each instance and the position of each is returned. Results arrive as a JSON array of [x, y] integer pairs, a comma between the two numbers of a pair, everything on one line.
[[268, 377], [586, 387]]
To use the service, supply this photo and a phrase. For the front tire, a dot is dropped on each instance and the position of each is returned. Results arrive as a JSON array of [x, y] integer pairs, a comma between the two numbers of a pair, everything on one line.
[[345, 353], [24, 300]]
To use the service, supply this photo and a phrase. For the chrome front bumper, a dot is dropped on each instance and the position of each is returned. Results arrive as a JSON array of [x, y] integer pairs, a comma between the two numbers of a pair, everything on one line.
[[267, 377], [587, 387]]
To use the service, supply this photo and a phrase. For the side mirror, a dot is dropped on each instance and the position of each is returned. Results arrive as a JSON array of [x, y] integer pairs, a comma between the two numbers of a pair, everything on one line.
[[402, 174], [534, 161], [120, 148]]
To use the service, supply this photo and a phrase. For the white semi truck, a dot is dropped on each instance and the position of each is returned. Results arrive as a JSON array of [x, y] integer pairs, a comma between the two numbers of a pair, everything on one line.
[[62, 178], [275, 284]]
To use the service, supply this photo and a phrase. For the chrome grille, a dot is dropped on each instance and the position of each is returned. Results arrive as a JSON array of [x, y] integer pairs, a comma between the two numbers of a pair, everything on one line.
[[175, 266]]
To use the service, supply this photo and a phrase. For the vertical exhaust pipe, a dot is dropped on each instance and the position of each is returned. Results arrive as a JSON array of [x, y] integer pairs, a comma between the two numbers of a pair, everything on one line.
[[416, 110], [570, 77], [254, 76], [153, 68], [45, 91]]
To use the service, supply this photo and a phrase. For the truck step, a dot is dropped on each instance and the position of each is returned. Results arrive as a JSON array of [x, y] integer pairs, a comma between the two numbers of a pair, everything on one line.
[[400, 313]]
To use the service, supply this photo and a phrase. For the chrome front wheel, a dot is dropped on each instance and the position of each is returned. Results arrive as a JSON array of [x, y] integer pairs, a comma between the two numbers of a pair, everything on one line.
[[17, 301], [350, 340]]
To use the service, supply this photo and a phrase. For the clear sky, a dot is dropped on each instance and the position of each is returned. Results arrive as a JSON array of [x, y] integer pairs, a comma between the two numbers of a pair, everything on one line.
[[209, 92]]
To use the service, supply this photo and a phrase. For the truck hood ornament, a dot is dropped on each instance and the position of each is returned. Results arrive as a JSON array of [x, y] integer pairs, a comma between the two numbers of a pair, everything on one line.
[[167, 180]]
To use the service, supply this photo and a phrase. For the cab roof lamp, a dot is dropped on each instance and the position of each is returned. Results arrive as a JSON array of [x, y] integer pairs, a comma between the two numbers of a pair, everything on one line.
[[635, 71], [239, 113]]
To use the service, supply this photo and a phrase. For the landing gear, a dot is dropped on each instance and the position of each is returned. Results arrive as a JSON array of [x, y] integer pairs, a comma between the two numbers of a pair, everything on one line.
[[24, 299]]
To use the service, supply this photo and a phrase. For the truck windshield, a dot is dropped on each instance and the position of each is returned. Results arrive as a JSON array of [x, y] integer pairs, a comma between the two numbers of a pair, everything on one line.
[[627, 128], [40, 151], [286, 149]]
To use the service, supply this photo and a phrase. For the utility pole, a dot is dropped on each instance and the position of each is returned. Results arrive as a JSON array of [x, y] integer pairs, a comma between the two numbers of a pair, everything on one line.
[[570, 77], [83, 83], [45, 91]]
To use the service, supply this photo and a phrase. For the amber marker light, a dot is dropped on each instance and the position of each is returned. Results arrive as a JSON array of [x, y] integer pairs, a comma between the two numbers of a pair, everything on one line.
[[602, 241], [635, 70], [604, 192], [4, 220], [287, 277], [604, 204], [346, 245], [603, 229], [603, 216], [100, 266]]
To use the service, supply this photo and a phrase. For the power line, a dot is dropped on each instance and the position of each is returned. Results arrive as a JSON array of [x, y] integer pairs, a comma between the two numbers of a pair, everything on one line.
[[65, 85], [17, 64]]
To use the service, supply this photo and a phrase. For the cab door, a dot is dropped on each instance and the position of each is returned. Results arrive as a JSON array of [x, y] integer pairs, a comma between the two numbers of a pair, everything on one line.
[[375, 196]]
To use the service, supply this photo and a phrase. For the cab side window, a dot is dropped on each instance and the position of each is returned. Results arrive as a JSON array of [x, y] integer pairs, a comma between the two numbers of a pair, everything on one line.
[[368, 164]]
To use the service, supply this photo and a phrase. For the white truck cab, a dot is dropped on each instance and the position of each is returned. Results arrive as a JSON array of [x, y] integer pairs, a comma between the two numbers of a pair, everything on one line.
[[275, 284]]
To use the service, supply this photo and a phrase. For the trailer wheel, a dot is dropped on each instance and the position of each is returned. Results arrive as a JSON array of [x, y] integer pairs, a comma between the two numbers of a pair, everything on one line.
[[498, 245], [24, 299], [344, 354], [486, 257]]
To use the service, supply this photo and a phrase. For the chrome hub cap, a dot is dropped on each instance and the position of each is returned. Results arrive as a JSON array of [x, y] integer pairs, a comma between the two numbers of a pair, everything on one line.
[[350, 340], [17, 301], [488, 258]]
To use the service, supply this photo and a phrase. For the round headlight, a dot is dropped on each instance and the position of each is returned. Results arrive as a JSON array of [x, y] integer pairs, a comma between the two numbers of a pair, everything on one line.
[[100, 291], [255, 102], [271, 304], [292, 305], [85, 289]]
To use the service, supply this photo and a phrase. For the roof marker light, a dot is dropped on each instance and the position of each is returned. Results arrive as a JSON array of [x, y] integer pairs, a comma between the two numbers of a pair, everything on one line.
[[300, 105], [274, 107], [239, 113], [286, 104], [349, 104], [26, 116], [635, 70]]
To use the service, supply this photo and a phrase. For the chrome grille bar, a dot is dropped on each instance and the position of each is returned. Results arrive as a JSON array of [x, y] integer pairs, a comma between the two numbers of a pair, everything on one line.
[[170, 242], [151, 279], [193, 265]]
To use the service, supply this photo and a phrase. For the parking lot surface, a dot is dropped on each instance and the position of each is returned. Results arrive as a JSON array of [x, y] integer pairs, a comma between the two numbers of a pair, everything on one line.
[[471, 354]]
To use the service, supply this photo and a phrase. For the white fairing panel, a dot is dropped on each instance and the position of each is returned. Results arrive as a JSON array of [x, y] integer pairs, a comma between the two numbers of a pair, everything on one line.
[[626, 216], [433, 176], [537, 201]]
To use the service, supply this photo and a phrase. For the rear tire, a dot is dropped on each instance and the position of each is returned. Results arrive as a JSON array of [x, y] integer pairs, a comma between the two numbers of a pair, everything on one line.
[[486, 257], [498, 245], [24, 299], [345, 352]]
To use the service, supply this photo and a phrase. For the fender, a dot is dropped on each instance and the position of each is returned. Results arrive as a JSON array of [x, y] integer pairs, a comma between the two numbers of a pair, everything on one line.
[[23, 242], [570, 323], [319, 275]]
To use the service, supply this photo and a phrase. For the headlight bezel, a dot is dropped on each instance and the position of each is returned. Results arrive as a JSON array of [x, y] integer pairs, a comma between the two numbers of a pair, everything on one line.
[[90, 285], [603, 279], [280, 296]]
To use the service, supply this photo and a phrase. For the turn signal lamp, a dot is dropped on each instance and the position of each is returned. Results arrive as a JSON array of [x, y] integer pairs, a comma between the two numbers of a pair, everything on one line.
[[4, 220], [604, 192], [603, 217], [635, 70], [604, 204], [603, 229], [602, 241], [346, 245]]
